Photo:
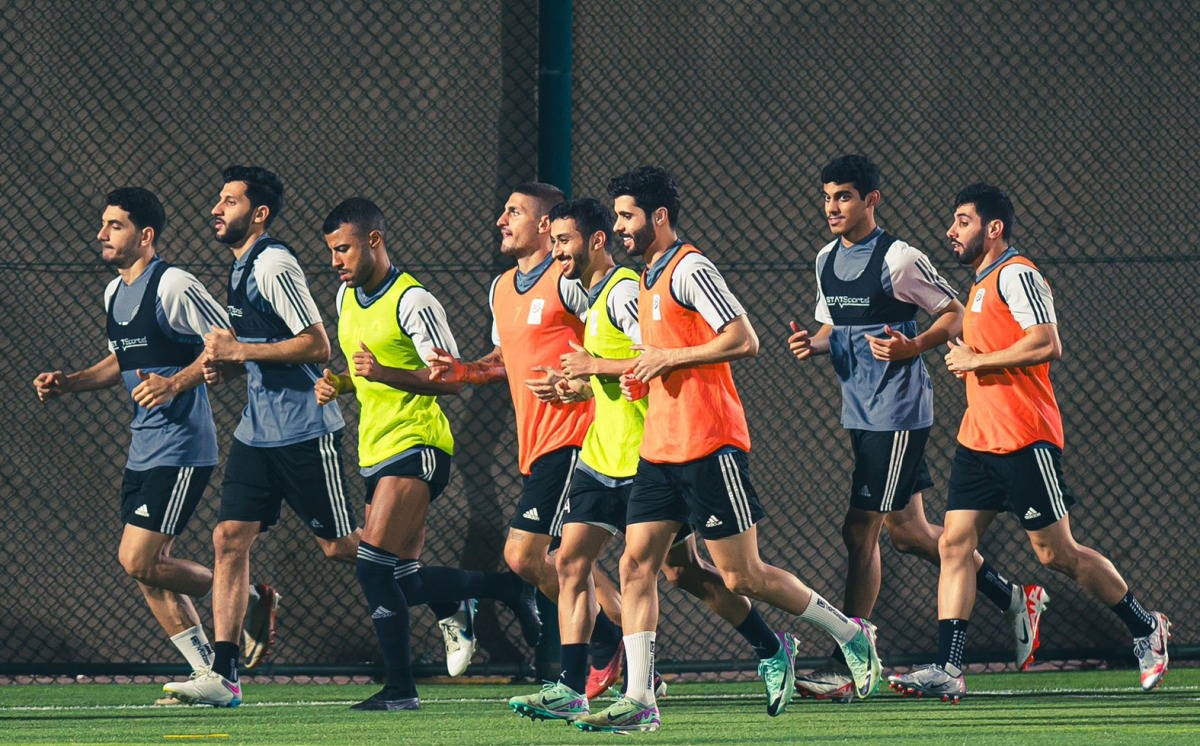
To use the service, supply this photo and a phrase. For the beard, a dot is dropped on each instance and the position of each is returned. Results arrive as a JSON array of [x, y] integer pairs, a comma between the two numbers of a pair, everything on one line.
[[235, 231], [971, 251], [643, 238]]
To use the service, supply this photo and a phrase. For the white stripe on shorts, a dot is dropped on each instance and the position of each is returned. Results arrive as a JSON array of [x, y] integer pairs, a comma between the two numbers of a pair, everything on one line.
[[556, 524], [1045, 462], [333, 485], [899, 446], [733, 488], [428, 464], [175, 503]]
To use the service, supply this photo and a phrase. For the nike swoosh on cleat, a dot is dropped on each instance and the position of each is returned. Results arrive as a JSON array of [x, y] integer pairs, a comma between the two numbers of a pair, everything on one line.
[[1024, 634]]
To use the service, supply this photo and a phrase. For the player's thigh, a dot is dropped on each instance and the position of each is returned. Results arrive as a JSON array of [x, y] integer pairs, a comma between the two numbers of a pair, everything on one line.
[[311, 476], [1034, 485], [162, 499], [544, 493], [656, 496], [596, 503], [889, 467], [720, 497], [250, 492]]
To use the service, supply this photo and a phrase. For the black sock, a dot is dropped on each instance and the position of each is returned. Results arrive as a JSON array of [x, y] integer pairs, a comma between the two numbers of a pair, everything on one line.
[[952, 640], [1137, 619], [444, 585], [225, 659], [389, 613], [761, 637], [994, 585], [575, 666], [606, 636], [443, 609]]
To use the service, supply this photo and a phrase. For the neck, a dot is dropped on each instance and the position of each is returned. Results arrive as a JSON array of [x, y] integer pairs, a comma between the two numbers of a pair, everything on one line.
[[130, 274], [239, 249], [660, 247], [531, 260], [990, 255], [595, 274], [859, 233], [377, 277]]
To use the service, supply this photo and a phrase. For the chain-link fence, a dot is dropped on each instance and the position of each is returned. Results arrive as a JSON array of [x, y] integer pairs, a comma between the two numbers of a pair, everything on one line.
[[430, 109]]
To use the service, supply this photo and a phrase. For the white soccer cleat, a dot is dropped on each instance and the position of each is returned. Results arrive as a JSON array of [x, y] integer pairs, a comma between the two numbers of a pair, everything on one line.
[[1026, 623], [206, 687], [1151, 652], [831, 681], [930, 681], [458, 632]]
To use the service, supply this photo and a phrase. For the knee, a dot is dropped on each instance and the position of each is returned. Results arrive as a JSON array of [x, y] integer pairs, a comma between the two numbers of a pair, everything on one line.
[[520, 561], [907, 542], [676, 574], [229, 542], [138, 564], [1055, 558], [340, 550], [956, 547], [636, 570], [742, 582], [860, 536], [573, 568]]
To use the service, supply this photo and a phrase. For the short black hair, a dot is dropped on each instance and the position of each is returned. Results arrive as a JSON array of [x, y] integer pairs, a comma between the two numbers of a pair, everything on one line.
[[651, 188], [545, 196], [992, 203], [362, 213], [852, 169], [145, 211], [263, 187], [590, 216]]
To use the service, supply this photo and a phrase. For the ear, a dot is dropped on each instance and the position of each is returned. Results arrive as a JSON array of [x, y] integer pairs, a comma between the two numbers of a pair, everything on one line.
[[147, 238], [374, 239], [873, 198], [544, 223], [995, 229], [660, 216], [599, 241], [261, 213]]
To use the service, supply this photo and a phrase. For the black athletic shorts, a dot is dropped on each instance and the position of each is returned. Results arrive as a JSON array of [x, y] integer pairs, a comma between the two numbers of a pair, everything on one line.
[[592, 501], [713, 494], [544, 492], [308, 475], [430, 465], [163, 498], [1027, 483], [889, 468]]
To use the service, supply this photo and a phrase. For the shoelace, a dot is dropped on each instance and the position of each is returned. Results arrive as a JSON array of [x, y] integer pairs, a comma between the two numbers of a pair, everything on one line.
[[1141, 647], [451, 638]]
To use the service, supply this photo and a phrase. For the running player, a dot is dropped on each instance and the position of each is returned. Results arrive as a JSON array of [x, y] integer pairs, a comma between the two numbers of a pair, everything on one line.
[[388, 324], [1010, 447], [287, 447], [870, 286], [157, 316], [581, 232], [693, 466], [537, 314]]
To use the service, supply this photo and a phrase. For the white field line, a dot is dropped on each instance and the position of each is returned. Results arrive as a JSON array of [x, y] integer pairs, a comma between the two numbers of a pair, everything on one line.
[[1097, 693]]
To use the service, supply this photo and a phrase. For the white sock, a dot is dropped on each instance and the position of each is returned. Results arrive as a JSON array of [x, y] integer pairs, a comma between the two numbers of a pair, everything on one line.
[[826, 616], [639, 656], [194, 645]]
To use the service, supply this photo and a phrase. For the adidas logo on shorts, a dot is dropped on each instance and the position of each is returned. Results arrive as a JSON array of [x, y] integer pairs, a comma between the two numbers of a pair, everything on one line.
[[531, 514], [382, 613], [316, 524], [143, 511], [713, 522], [1031, 514]]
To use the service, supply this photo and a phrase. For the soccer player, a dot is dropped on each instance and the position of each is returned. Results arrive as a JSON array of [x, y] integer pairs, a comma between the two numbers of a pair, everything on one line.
[[581, 232], [1010, 447], [536, 315], [287, 446], [870, 286], [388, 323], [693, 466], [157, 316]]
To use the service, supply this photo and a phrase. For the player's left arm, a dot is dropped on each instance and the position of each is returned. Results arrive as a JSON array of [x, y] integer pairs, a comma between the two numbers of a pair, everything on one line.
[[622, 307], [422, 317]]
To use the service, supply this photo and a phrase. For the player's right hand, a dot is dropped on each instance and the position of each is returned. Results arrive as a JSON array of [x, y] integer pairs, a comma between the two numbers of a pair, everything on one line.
[[632, 388], [799, 343], [327, 387], [444, 367], [50, 385]]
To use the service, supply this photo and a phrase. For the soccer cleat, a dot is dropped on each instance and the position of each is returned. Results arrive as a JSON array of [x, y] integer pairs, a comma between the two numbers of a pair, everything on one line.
[[1026, 623], [623, 716], [779, 674], [1151, 652], [206, 687], [831, 681], [384, 700], [863, 659], [600, 679], [933, 681], [258, 633], [526, 610], [556, 701], [458, 632], [660, 686]]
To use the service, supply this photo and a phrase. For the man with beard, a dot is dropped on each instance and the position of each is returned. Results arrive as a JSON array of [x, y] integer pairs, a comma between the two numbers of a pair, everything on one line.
[[287, 446], [157, 316], [536, 316], [693, 465], [1010, 447], [581, 232], [870, 286], [388, 323]]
